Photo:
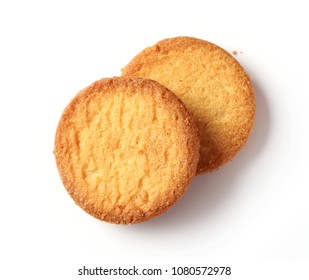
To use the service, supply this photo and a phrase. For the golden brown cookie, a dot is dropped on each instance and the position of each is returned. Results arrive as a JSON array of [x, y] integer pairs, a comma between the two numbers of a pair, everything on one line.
[[126, 149], [213, 86]]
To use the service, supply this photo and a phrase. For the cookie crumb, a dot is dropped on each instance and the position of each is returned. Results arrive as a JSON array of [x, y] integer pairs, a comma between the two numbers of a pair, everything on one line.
[[234, 52]]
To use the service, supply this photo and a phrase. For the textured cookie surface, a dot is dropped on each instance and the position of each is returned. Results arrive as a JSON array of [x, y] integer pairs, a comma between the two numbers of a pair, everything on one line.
[[126, 149], [213, 86]]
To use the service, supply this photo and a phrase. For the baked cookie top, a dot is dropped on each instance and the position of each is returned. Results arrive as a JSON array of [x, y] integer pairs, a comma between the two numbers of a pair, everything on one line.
[[213, 86], [126, 149]]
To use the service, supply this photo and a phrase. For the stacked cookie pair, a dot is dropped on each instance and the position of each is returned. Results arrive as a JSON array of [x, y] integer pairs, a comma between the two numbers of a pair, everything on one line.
[[128, 147]]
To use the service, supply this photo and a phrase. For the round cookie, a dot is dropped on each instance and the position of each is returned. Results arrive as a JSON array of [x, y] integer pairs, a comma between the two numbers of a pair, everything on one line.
[[126, 149], [213, 86]]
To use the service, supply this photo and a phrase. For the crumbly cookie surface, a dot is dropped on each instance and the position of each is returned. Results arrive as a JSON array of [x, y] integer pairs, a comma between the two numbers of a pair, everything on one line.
[[213, 86], [126, 149]]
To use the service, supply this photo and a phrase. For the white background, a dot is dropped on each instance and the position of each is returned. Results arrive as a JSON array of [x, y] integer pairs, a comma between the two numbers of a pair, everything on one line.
[[252, 214]]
